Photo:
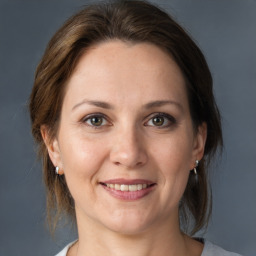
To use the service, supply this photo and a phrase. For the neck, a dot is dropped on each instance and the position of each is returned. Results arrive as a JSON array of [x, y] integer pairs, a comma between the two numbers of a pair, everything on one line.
[[160, 240]]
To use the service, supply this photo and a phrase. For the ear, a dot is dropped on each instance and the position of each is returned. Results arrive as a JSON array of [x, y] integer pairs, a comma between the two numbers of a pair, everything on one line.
[[199, 144], [53, 148]]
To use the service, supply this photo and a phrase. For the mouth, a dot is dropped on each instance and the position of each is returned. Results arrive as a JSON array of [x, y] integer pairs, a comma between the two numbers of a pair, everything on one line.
[[128, 189], [125, 187]]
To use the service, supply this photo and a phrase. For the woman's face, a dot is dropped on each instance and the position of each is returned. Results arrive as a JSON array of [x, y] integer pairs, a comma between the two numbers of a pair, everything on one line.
[[126, 142]]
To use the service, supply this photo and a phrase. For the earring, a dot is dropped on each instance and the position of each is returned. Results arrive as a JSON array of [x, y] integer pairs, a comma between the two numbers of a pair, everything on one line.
[[195, 171], [57, 169]]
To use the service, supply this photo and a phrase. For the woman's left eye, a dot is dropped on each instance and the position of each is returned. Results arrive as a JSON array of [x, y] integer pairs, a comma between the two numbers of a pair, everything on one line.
[[161, 120]]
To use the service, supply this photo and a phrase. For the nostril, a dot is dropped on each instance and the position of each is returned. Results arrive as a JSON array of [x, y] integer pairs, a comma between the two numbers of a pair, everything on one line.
[[128, 157]]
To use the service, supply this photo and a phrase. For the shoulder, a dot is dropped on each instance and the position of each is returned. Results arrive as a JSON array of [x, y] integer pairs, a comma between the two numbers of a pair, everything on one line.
[[211, 249], [65, 250]]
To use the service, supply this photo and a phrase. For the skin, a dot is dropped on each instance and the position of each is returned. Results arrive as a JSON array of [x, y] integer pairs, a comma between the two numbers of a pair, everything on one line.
[[128, 144]]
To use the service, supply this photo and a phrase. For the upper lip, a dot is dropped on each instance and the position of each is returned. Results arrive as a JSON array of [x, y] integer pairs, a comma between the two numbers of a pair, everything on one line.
[[128, 181]]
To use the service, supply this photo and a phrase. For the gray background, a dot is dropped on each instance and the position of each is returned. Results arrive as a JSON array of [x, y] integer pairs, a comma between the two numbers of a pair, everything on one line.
[[225, 31]]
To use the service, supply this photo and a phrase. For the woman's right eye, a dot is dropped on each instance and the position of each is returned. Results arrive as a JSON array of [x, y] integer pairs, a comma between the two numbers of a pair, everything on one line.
[[95, 121]]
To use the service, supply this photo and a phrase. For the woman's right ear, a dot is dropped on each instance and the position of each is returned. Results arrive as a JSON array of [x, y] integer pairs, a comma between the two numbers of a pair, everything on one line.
[[52, 147]]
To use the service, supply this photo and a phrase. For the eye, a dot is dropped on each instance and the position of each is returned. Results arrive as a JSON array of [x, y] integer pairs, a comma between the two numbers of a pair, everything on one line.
[[161, 120], [158, 121], [95, 121]]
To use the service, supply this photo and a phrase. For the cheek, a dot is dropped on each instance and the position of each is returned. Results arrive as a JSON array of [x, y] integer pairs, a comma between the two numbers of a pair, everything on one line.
[[174, 153], [78, 150], [81, 158], [173, 157]]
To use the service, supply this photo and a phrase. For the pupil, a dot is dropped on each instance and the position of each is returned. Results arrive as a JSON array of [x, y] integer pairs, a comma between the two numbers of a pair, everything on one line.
[[97, 121], [158, 121]]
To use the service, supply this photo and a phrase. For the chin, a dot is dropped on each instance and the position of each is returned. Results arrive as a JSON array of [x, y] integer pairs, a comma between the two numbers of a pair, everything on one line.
[[127, 229], [128, 224]]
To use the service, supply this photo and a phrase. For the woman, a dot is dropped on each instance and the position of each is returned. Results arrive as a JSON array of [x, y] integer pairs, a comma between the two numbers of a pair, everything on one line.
[[123, 111]]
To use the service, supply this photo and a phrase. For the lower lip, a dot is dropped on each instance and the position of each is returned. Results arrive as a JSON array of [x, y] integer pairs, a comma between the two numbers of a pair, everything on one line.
[[129, 196]]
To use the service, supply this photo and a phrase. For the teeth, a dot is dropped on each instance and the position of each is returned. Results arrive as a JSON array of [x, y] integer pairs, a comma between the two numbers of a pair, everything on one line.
[[133, 187], [123, 187], [117, 186], [139, 186]]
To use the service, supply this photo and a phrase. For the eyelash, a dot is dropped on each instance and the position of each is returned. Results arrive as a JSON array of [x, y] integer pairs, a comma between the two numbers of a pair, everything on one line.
[[95, 115], [170, 119]]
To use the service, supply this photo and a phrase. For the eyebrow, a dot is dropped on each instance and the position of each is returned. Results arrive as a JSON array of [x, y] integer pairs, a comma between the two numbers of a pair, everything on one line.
[[105, 105], [160, 103], [100, 104]]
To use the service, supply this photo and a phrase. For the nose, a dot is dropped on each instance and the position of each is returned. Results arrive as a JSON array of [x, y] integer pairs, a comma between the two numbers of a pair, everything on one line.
[[128, 149]]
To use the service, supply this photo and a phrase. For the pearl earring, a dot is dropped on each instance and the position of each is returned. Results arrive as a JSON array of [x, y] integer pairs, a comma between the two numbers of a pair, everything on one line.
[[195, 171], [57, 169]]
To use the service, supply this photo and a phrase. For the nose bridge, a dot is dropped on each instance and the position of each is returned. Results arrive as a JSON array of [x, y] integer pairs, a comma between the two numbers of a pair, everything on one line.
[[128, 148]]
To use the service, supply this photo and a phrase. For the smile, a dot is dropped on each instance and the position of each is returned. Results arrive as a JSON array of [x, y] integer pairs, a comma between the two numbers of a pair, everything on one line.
[[131, 188], [128, 189]]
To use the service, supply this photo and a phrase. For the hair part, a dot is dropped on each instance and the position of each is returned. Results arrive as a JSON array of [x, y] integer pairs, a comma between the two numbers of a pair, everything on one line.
[[133, 22]]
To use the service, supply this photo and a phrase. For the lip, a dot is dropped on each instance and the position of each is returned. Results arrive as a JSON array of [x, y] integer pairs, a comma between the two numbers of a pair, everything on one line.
[[128, 195], [128, 181]]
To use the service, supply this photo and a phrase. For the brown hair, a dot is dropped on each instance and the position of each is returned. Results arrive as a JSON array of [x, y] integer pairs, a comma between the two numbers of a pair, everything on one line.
[[130, 21]]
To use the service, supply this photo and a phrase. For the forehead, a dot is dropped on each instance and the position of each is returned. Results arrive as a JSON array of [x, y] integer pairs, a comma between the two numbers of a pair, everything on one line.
[[123, 72]]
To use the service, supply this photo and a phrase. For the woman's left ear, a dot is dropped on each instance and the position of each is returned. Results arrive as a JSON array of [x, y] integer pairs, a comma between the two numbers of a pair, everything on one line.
[[199, 143]]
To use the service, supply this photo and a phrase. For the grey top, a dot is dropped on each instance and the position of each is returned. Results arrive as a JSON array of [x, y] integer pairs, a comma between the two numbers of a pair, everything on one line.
[[210, 249]]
